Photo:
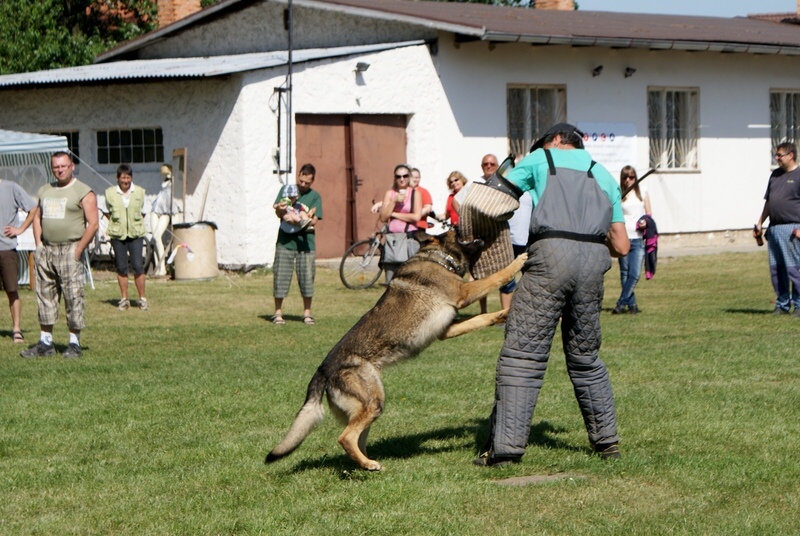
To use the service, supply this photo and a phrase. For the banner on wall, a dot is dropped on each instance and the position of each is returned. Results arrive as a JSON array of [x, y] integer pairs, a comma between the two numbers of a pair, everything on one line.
[[611, 144]]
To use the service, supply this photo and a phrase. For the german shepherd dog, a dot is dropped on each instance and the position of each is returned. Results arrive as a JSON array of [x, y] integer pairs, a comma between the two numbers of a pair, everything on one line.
[[418, 306]]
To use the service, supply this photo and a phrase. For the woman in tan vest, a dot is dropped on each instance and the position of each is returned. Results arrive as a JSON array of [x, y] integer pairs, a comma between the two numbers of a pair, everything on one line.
[[125, 211]]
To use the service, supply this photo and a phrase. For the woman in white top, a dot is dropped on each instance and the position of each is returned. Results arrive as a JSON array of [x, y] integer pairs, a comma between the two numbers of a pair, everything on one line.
[[634, 205]]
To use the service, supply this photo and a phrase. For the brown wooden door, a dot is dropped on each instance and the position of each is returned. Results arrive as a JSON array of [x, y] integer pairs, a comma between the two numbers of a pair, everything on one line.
[[354, 156]]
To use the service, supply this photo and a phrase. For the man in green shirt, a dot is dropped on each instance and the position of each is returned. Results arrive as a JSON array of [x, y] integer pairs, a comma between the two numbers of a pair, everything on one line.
[[297, 251], [65, 222]]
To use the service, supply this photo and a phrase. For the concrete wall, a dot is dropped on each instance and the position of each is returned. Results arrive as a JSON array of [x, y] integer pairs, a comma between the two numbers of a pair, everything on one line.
[[259, 28]]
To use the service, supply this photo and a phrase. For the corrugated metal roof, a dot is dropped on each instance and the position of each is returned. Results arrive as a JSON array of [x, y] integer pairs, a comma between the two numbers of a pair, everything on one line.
[[508, 24], [204, 67]]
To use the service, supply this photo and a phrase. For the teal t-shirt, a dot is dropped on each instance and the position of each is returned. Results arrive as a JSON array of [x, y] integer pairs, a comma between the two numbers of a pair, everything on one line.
[[301, 241], [531, 173]]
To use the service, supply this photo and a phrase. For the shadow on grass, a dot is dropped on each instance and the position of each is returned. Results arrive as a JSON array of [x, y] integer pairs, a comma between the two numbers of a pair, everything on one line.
[[114, 302], [543, 434], [748, 311], [287, 318]]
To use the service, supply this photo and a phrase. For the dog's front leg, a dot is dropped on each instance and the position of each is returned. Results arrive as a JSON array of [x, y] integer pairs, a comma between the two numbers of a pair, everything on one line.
[[476, 322], [472, 291]]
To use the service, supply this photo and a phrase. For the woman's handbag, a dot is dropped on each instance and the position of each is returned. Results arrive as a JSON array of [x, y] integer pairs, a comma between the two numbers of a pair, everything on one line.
[[399, 247]]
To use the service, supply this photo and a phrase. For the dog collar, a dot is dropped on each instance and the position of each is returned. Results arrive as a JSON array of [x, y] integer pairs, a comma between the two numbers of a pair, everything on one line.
[[446, 261]]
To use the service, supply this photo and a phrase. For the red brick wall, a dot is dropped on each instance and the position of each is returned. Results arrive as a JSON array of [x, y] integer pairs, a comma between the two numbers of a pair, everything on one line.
[[171, 10]]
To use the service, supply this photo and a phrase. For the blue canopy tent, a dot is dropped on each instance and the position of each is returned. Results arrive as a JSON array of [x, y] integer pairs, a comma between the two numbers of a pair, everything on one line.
[[25, 158]]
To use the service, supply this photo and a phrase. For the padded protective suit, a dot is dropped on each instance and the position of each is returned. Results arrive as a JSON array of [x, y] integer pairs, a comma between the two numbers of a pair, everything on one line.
[[563, 279]]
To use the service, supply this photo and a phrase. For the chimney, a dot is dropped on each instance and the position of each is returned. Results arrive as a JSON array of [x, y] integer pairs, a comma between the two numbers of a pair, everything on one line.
[[565, 5], [171, 10]]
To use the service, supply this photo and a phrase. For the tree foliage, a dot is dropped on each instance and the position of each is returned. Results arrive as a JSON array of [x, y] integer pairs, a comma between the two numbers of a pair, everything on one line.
[[48, 34]]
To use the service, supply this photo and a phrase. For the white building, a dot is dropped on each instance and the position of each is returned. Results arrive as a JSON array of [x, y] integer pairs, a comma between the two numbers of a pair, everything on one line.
[[438, 85]]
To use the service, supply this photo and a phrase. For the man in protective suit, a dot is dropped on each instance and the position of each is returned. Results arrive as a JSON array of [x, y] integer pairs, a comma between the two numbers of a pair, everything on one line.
[[577, 219]]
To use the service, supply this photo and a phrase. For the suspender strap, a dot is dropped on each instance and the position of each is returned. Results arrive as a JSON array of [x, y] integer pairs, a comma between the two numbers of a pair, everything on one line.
[[550, 163], [578, 237]]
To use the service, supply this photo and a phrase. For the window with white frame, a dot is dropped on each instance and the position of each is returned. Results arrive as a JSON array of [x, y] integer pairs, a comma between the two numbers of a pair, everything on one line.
[[673, 123], [532, 109], [131, 146], [784, 113]]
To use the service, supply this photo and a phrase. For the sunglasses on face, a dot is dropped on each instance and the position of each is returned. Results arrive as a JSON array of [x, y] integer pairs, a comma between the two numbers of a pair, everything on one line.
[[780, 155], [404, 176], [487, 164]]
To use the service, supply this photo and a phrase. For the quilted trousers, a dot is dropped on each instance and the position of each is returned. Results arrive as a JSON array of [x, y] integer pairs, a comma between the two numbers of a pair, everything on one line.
[[562, 280]]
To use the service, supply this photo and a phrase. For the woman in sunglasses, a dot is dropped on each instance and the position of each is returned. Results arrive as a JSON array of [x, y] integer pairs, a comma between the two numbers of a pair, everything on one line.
[[402, 209], [635, 204]]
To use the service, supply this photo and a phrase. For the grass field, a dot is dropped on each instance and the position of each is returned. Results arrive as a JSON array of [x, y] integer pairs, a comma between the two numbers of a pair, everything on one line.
[[162, 427]]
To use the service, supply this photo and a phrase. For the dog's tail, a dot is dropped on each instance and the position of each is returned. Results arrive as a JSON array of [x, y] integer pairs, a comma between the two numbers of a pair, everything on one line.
[[309, 416]]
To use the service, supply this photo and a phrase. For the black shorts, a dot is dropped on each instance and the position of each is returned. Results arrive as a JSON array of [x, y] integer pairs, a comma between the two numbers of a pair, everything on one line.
[[133, 247]]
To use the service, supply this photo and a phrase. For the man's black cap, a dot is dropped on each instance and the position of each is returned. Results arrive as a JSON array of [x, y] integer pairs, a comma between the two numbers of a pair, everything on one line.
[[558, 128]]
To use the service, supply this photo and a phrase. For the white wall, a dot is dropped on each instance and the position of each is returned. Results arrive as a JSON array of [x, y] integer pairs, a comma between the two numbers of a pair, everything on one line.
[[196, 115], [734, 150]]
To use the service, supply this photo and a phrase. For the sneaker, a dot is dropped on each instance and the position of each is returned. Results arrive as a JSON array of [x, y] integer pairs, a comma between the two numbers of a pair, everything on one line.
[[608, 451], [73, 350], [778, 311], [486, 460], [143, 304], [124, 304], [40, 350], [634, 310], [618, 310]]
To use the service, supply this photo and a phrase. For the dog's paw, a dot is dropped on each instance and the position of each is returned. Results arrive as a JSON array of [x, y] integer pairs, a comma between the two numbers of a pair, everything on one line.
[[372, 465], [519, 261], [500, 317]]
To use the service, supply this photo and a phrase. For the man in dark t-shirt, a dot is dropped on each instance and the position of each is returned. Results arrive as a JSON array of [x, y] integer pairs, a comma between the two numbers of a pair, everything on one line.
[[782, 207]]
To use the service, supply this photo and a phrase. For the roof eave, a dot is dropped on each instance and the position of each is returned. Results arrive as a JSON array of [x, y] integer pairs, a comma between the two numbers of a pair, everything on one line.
[[650, 44]]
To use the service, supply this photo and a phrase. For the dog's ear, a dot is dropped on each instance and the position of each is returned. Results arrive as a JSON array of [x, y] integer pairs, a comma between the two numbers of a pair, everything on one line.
[[422, 237]]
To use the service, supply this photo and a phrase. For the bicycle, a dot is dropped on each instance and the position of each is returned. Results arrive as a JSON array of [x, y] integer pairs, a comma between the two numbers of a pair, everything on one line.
[[361, 264]]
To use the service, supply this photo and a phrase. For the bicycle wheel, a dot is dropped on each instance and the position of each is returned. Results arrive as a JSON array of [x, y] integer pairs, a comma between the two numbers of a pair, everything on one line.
[[359, 268]]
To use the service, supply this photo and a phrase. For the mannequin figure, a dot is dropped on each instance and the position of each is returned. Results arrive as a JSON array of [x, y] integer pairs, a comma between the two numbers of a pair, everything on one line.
[[160, 216]]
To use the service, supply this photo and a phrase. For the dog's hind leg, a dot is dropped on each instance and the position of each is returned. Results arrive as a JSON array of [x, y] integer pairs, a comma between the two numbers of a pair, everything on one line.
[[354, 438], [476, 322], [359, 396]]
